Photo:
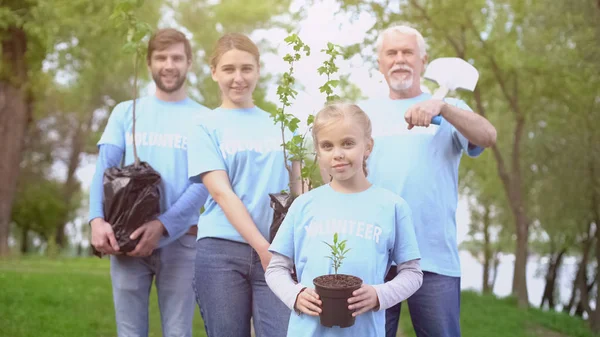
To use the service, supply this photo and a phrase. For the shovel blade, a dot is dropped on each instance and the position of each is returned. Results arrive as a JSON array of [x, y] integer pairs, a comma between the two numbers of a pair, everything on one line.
[[452, 73]]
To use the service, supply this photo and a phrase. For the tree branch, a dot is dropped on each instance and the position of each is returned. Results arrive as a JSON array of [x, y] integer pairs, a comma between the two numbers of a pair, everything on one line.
[[459, 51], [497, 72], [502, 172]]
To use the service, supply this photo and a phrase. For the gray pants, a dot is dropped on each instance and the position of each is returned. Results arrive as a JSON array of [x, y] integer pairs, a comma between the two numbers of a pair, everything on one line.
[[172, 268]]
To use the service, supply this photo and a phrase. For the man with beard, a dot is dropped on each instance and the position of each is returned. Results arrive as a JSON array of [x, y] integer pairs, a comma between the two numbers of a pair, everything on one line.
[[420, 162], [166, 249]]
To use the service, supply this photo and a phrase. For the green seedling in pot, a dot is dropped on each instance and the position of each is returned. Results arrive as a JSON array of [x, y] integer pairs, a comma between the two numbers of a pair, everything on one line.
[[338, 252]]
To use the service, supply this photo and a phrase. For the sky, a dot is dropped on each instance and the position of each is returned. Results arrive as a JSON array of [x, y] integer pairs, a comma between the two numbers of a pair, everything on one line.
[[322, 25]]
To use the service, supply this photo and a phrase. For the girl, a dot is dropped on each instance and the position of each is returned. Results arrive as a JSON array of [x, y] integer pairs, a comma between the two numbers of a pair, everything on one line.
[[236, 153], [375, 222]]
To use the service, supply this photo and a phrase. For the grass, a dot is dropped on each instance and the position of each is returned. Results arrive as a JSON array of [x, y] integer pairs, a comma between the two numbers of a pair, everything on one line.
[[63, 298], [489, 316], [73, 298]]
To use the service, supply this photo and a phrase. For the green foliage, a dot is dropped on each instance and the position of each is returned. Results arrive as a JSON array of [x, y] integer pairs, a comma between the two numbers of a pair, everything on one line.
[[338, 252], [329, 68], [124, 18], [296, 148], [37, 207], [293, 149], [84, 73]]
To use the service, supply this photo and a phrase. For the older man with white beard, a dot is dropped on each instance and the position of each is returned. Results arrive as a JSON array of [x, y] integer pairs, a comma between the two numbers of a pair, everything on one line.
[[419, 161]]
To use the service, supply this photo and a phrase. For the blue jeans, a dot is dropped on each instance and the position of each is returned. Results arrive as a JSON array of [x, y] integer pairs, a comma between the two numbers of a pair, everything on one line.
[[172, 268], [231, 288], [434, 308]]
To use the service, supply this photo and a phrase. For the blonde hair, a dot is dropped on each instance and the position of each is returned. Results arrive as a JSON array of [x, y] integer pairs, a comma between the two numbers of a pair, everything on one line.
[[336, 112], [231, 41]]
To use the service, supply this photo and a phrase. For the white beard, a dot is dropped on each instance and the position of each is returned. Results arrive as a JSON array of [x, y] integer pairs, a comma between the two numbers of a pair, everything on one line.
[[400, 85]]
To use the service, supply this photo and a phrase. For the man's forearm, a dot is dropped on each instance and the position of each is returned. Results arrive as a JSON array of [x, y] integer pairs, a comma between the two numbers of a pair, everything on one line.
[[474, 127], [108, 156], [176, 218]]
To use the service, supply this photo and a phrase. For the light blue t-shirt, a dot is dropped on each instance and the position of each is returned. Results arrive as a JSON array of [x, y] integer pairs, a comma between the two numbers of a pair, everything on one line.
[[161, 141], [421, 165], [246, 144], [378, 228]]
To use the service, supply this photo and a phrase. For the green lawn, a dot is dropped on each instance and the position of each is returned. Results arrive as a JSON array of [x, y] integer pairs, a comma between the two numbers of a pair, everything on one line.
[[72, 298], [488, 316], [63, 298]]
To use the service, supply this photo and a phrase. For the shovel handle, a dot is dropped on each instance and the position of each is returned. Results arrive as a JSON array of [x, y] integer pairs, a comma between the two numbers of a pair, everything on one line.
[[437, 120]]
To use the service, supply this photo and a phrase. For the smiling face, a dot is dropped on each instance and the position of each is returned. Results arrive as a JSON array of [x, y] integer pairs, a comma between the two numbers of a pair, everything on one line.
[[169, 68], [401, 64], [342, 148], [237, 73]]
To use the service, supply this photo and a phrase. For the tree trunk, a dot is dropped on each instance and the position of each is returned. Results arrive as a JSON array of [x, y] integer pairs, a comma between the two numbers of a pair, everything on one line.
[[583, 306], [569, 306], [14, 119], [579, 309], [554, 276], [520, 272], [495, 268], [511, 181], [24, 240], [551, 275], [595, 316], [487, 251], [486, 277], [511, 176], [584, 289], [581, 270], [71, 185]]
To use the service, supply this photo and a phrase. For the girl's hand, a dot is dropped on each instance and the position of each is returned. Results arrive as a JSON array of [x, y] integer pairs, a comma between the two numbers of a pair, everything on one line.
[[364, 299], [308, 302]]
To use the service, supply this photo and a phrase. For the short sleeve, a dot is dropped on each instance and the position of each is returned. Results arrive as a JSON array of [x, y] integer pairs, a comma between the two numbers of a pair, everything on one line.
[[114, 133], [461, 142], [283, 243], [203, 154], [405, 243]]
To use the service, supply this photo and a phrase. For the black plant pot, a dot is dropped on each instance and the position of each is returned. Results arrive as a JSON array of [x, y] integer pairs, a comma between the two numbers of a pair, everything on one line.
[[334, 291]]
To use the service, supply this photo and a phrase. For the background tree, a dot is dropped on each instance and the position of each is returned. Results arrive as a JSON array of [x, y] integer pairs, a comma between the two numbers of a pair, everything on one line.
[[65, 47]]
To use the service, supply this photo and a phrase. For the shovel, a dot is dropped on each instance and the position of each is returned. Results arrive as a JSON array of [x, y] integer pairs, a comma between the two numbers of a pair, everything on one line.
[[450, 73]]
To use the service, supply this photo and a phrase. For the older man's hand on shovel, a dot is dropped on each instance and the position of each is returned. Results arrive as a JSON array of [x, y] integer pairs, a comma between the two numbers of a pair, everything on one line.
[[450, 73], [423, 113]]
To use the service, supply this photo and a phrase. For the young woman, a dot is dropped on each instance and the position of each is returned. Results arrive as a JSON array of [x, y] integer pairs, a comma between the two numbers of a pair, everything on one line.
[[375, 222], [236, 153]]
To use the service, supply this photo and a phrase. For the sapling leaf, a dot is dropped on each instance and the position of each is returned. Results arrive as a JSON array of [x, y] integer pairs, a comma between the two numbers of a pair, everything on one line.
[[338, 252]]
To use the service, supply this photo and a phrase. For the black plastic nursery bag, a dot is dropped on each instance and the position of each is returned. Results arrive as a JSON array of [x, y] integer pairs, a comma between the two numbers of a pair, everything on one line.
[[131, 198]]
